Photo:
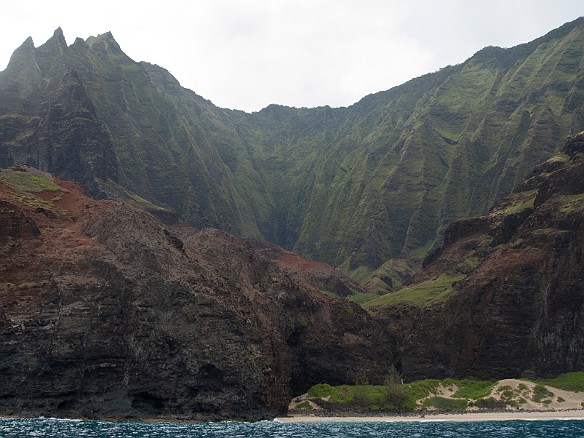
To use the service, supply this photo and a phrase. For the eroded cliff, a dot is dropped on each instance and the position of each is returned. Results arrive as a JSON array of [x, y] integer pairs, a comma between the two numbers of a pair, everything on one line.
[[106, 312], [504, 295]]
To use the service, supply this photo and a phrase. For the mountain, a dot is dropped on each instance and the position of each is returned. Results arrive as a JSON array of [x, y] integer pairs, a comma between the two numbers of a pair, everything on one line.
[[368, 188], [107, 312], [503, 295]]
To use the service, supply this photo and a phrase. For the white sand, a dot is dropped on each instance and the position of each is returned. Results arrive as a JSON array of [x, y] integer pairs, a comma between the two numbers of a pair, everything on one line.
[[467, 416]]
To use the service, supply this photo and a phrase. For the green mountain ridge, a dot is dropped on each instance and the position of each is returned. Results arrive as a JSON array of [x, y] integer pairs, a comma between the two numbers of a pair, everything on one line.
[[361, 187]]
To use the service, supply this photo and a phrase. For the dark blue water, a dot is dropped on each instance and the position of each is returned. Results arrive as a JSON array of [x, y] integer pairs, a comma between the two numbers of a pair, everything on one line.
[[71, 428]]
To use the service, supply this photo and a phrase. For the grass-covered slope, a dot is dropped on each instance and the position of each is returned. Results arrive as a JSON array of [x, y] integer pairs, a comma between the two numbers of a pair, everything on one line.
[[353, 186], [411, 160]]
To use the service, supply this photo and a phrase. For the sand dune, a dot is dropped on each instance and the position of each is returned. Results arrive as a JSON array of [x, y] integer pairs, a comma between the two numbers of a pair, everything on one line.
[[525, 400]]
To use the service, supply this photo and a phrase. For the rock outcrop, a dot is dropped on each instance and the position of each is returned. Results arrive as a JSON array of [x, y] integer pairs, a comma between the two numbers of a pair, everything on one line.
[[517, 307], [106, 312], [320, 275]]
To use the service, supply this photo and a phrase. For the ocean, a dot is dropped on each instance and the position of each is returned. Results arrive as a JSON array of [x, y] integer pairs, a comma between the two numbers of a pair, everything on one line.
[[50, 427]]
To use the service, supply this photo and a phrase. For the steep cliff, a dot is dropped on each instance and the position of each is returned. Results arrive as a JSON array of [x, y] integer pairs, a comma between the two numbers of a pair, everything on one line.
[[365, 187], [106, 312], [504, 294]]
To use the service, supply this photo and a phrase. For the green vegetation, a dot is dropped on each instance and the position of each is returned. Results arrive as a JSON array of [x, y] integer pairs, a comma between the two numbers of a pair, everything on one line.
[[422, 388], [354, 186], [420, 295], [395, 392], [362, 298], [395, 396], [357, 396], [473, 389], [304, 405], [513, 397], [541, 393], [515, 403], [445, 404], [570, 382], [488, 403], [147, 204], [572, 202], [29, 181]]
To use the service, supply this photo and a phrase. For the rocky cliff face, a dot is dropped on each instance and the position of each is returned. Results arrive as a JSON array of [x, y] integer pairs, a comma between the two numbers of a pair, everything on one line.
[[517, 305], [63, 135], [105, 311], [361, 188]]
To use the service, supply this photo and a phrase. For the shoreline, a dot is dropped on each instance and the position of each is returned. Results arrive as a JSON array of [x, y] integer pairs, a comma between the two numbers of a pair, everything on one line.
[[571, 414], [421, 417]]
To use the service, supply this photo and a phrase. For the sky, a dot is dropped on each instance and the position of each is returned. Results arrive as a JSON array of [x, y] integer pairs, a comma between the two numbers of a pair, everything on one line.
[[247, 54]]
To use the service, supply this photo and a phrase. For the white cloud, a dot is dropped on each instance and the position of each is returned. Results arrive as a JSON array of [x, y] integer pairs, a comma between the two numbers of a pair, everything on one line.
[[247, 54]]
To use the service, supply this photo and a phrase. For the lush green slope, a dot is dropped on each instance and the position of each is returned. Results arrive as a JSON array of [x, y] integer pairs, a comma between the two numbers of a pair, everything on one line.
[[378, 180], [441, 147], [353, 186]]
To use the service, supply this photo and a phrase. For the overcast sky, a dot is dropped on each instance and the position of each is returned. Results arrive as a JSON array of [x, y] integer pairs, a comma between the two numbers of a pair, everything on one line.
[[246, 54]]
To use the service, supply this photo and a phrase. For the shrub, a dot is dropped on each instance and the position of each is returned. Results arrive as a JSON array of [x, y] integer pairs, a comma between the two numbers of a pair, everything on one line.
[[446, 404], [304, 405], [361, 396], [488, 403], [473, 389], [395, 390], [540, 393], [321, 390]]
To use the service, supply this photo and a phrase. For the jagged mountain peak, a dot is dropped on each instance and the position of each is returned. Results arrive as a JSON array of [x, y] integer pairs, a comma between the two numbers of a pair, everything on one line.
[[58, 39], [27, 44], [105, 40], [58, 33], [25, 49]]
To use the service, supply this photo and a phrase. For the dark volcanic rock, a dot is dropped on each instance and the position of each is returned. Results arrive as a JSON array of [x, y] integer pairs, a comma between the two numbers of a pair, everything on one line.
[[106, 312], [519, 310]]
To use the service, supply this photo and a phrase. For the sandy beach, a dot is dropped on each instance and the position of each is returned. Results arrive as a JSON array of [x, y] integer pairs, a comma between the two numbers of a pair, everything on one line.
[[577, 414]]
